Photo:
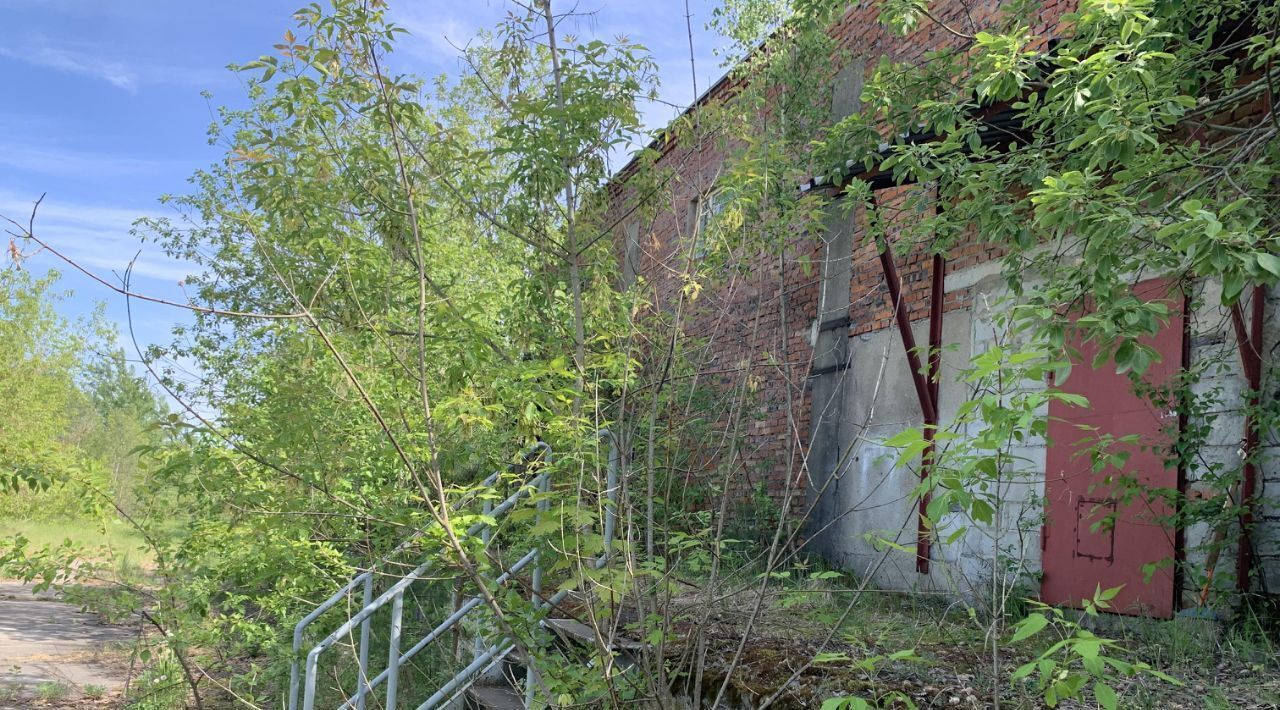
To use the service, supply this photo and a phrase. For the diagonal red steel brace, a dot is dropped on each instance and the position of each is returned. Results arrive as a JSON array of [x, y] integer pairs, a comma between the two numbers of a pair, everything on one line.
[[926, 386], [901, 315]]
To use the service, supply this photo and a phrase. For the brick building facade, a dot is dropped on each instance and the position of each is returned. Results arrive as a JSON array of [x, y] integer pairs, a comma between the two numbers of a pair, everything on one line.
[[810, 334]]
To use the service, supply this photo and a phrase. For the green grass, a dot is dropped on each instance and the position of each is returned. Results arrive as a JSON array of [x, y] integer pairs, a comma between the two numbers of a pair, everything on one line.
[[110, 541], [118, 537], [51, 691]]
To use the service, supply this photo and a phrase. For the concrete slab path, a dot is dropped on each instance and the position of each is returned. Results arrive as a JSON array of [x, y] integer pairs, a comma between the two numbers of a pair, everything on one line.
[[43, 640]]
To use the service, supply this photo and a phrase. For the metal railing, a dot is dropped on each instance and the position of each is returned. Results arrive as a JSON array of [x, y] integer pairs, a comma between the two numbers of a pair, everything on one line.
[[495, 653], [485, 658], [366, 578]]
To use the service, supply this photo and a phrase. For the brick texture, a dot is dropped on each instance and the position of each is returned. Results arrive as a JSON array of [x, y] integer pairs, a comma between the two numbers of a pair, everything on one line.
[[763, 319]]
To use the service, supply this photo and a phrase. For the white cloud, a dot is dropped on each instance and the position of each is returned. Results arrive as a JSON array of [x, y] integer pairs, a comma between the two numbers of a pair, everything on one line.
[[96, 237], [433, 37], [88, 60], [51, 160], [75, 62]]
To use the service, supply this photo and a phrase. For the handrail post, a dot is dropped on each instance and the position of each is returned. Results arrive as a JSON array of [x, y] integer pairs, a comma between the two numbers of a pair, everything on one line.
[[543, 506], [393, 654], [363, 690], [309, 692], [531, 673], [294, 677], [530, 683], [611, 489], [486, 534], [298, 630], [530, 670]]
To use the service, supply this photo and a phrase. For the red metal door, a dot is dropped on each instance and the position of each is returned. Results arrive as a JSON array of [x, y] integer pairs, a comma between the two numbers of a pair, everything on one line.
[[1081, 550]]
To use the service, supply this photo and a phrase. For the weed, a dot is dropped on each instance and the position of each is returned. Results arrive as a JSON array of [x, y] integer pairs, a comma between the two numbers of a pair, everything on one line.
[[160, 686], [94, 692], [50, 691]]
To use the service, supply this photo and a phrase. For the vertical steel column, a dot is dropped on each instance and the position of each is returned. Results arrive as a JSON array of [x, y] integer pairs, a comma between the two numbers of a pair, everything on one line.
[[393, 653], [926, 386], [363, 690]]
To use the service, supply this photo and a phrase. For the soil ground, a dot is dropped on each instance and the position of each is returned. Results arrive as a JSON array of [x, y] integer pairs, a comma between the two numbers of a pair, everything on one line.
[[1217, 664]]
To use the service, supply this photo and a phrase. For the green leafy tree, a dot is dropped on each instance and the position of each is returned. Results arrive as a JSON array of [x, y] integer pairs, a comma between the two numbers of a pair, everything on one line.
[[41, 351], [77, 410]]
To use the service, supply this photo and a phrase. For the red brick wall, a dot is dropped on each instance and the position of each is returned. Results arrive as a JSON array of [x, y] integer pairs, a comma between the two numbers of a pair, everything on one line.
[[741, 315]]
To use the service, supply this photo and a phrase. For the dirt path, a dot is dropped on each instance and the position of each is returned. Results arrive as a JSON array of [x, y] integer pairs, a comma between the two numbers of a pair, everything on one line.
[[51, 653]]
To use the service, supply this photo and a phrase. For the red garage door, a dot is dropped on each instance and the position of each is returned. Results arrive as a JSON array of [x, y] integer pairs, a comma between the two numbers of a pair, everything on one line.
[[1082, 548]]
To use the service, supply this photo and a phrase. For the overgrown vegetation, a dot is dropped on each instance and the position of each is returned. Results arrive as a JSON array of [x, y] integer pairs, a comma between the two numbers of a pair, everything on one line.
[[75, 415], [403, 284]]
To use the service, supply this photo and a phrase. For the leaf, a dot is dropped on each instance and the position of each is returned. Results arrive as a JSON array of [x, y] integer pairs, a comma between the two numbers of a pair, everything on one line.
[[1094, 665], [1232, 286], [1270, 262], [1088, 648], [845, 704], [1162, 676], [1029, 626], [830, 657], [982, 511], [903, 438], [1105, 695], [1023, 671]]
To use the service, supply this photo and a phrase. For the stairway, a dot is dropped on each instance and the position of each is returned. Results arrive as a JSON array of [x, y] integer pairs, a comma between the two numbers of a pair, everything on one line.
[[472, 686], [494, 697], [573, 637]]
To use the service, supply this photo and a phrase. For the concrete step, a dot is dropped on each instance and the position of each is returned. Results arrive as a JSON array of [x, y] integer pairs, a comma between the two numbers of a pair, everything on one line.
[[575, 631], [494, 697]]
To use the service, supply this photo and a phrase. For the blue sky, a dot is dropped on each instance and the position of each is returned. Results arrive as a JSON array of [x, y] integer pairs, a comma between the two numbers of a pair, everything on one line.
[[103, 109]]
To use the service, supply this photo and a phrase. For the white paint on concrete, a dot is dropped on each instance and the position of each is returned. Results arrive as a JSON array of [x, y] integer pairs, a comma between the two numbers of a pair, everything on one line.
[[874, 497]]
